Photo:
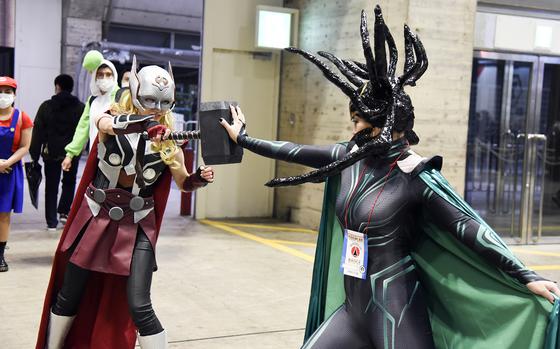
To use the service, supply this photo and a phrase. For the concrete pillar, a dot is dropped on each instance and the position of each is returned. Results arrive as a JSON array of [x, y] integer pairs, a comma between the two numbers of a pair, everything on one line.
[[314, 111], [82, 22]]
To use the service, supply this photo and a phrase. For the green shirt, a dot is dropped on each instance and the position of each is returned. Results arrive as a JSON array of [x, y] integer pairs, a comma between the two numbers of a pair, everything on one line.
[[81, 135]]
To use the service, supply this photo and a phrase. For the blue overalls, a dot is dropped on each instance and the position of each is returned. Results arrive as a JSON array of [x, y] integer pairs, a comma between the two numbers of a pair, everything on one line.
[[11, 184]]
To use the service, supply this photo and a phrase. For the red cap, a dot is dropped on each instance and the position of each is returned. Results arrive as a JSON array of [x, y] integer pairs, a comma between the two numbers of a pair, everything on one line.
[[8, 81]]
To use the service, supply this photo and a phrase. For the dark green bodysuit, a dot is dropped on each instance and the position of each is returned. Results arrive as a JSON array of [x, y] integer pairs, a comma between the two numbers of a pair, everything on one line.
[[388, 308]]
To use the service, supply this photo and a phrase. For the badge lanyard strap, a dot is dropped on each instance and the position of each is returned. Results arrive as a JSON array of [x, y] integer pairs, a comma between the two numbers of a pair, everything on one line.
[[393, 165]]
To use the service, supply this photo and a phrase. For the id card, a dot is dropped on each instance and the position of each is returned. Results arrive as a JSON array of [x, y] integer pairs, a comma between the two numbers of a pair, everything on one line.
[[354, 254]]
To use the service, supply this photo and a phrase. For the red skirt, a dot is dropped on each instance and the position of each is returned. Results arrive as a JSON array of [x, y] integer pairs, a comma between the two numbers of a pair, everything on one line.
[[103, 244]]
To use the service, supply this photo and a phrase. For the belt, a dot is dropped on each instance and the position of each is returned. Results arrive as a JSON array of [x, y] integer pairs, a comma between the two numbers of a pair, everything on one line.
[[118, 201]]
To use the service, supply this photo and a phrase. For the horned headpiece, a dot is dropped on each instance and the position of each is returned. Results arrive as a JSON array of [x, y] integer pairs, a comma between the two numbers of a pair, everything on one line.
[[152, 87], [374, 91]]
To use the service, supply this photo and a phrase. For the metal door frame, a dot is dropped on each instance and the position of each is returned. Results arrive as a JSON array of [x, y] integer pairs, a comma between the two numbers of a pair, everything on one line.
[[541, 62], [542, 138], [531, 137]]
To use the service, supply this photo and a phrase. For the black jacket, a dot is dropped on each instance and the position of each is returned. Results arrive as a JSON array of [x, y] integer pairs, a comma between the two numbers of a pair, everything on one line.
[[54, 126]]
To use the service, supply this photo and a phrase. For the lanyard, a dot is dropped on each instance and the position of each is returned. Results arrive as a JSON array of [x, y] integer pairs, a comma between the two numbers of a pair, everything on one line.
[[345, 213]]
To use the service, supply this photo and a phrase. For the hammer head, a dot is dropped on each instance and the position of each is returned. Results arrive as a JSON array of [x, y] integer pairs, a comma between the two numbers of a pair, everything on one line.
[[217, 147]]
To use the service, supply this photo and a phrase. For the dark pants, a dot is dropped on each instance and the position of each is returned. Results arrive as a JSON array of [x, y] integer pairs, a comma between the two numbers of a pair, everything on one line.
[[138, 288], [52, 182]]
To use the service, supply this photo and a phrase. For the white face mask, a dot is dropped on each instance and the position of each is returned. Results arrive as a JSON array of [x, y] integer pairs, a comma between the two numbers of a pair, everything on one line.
[[6, 100], [104, 84], [125, 84]]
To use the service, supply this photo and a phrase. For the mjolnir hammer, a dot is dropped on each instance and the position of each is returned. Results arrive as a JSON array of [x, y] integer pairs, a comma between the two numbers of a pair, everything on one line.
[[217, 147]]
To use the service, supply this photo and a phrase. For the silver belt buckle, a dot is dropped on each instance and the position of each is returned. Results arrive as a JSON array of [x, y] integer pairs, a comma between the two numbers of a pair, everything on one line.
[[99, 196], [136, 203], [116, 213]]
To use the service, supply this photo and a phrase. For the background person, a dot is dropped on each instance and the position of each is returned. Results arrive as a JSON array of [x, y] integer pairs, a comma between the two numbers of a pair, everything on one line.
[[56, 122], [125, 79], [103, 89]]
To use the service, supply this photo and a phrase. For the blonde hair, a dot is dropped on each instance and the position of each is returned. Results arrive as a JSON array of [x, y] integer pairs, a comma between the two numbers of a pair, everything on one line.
[[167, 149]]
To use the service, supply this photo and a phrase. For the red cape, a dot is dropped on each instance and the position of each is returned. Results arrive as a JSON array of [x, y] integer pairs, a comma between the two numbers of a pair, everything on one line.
[[103, 320]]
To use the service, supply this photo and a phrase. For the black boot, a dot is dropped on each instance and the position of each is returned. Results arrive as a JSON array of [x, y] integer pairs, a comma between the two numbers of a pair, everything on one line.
[[3, 264]]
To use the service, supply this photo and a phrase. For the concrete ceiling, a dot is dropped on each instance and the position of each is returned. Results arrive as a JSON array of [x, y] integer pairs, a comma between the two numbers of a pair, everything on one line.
[[189, 8], [85, 9], [179, 15], [546, 5]]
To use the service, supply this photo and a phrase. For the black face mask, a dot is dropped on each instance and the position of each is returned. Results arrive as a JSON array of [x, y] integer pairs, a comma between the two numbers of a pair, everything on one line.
[[363, 136]]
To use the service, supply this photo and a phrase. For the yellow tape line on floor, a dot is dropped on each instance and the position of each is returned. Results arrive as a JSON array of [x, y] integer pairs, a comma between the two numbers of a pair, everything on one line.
[[272, 227], [289, 242], [267, 242], [280, 244], [538, 253], [544, 267]]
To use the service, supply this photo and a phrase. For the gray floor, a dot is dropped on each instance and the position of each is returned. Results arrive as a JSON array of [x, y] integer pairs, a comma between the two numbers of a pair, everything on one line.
[[213, 289], [242, 284]]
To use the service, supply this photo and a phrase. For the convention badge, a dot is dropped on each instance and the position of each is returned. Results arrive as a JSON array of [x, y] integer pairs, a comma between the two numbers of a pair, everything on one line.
[[354, 257]]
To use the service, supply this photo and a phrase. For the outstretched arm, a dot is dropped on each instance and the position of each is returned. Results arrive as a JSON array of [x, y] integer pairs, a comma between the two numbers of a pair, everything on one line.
[[308, 155], [480, 238]]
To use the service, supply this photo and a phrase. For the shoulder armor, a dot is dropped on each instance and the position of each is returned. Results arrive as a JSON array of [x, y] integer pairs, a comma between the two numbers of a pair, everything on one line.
[[414, 163]]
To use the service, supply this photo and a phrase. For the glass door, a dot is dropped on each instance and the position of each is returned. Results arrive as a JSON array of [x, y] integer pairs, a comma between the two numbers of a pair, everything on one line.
[[513, 152], [513, 177], [501, 97], [546, 200]]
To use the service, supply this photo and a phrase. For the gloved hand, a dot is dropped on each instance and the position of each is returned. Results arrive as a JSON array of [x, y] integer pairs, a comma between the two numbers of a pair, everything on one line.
[[199, 179], [205, 173], [157, 132]]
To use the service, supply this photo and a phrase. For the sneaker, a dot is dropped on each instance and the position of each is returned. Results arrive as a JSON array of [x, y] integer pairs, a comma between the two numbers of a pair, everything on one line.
[[62, 218], [3, 265], [51, 229]]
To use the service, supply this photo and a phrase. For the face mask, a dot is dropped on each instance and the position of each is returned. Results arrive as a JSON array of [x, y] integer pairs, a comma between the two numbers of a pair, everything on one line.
[[104, 84], [125, 84], [363, 136], [6, 100]]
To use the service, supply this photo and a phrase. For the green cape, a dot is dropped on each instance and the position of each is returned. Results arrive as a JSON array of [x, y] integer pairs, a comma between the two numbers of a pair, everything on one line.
[[471, 304]]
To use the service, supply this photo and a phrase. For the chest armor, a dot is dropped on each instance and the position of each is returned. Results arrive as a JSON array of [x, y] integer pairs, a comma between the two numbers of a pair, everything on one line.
[[118, 153]]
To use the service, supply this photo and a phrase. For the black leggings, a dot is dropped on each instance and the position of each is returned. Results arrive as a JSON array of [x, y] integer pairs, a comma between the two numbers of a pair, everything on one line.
[[137, 287], [401, 322]]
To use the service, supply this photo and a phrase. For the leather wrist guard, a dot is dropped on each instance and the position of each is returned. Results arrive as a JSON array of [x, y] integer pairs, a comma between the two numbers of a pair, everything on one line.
[[242, 136], [194, 181], [124, 124]]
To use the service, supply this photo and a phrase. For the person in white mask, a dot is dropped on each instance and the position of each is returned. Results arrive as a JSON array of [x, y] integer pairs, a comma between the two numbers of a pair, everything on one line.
[[103, 88]]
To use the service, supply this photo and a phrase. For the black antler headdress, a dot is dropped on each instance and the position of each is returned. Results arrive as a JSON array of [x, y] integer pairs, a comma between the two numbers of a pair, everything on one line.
[[377, 94]]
